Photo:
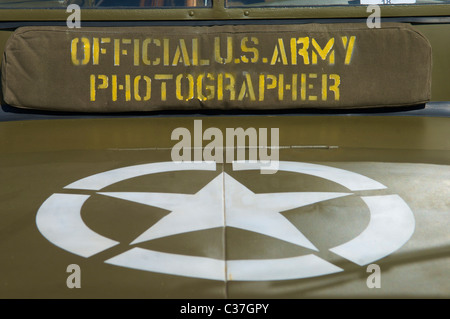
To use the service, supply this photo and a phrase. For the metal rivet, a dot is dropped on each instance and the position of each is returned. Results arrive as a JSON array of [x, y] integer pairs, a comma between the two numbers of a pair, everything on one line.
[[191, 13], [246, 12]]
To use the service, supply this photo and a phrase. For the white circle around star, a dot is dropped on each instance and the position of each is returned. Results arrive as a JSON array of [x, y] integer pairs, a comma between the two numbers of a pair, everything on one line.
[[225, 202]]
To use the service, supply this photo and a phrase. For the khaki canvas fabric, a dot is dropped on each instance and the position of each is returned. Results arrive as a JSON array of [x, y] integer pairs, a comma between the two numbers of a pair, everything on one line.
[[216, 67]]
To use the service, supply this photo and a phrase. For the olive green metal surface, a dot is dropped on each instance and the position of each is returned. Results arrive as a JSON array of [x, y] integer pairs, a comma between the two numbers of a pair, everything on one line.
[[410, 155]]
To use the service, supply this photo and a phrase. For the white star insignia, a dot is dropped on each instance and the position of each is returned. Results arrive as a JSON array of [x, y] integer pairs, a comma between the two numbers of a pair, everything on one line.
[[226, 202]]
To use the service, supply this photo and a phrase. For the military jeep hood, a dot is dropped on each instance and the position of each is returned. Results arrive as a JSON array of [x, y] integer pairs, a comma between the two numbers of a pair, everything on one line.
[[104, 194]]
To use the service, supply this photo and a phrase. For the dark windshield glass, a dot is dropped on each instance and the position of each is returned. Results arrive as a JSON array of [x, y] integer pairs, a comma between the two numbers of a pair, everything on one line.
[[105, 4], [300, 3]]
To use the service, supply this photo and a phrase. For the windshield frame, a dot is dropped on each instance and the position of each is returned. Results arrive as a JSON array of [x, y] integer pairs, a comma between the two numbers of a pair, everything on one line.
[[219, 11]]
